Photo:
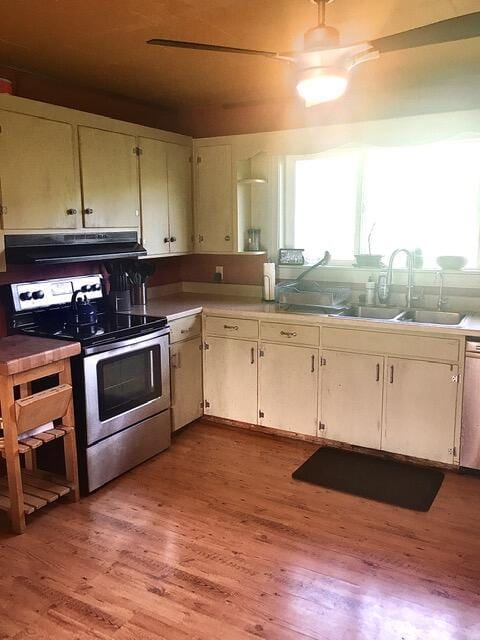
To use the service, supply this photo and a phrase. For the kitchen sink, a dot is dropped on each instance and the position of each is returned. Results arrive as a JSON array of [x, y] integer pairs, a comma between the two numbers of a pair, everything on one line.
[[433, 317], [374, 313]]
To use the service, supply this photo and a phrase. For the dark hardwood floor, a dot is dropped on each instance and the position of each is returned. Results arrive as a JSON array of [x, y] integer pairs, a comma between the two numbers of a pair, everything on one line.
[[214, 540]]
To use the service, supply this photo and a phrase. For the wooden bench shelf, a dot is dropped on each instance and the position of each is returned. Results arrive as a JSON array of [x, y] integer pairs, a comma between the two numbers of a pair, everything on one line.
[[25, 445], [39, 489]]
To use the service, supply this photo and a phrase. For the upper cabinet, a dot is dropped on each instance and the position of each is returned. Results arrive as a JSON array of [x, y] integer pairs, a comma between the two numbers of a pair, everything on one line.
[[39, 188], [214, 199], [109, 171], [165, 186], [179, 169]]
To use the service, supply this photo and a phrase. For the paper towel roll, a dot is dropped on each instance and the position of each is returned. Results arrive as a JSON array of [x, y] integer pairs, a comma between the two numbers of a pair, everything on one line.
[[269, 281]]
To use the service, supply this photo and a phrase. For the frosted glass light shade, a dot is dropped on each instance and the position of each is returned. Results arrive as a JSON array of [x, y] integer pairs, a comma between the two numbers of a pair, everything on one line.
[[322, 84]]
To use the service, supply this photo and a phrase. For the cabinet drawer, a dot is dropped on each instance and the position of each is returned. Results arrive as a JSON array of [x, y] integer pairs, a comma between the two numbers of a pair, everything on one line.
[[232, 327], [291, 333], [185, 328], [398, 344]]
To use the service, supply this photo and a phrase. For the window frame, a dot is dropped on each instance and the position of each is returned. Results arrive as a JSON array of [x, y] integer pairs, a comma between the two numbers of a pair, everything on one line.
[[288, 223]]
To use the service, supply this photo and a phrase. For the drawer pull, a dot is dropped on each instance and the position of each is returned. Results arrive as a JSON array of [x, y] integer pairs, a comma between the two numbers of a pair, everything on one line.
[[234, 327], [88, 211], [289, 334], [378, 373], [185, 331], [391, 374]]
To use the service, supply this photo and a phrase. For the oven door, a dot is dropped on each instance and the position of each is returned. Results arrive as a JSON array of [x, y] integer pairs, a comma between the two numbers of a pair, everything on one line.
[[125, 383]]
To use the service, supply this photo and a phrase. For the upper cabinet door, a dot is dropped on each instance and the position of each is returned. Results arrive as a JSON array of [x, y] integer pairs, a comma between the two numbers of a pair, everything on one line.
[[109, 171], [39, 188], [214, 199], [154, 195], [180, 198]]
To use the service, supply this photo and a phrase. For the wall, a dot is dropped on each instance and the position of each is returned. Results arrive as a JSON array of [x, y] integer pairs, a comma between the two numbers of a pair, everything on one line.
[[237, 269], [44, 89]]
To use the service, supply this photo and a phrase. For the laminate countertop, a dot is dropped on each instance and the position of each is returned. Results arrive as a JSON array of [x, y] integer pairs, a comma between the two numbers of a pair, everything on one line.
[[180, 305]]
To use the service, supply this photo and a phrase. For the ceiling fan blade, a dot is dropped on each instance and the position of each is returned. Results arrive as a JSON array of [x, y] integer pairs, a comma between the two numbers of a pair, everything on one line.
[[210, 47], [459, 28]]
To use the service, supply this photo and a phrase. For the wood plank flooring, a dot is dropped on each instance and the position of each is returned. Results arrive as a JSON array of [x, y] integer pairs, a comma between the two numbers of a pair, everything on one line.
[[213, 540]]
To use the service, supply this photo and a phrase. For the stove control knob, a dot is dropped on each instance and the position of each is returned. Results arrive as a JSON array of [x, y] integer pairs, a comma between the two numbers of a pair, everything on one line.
[[38, 295], [26, 295], [86, 287], [96, 287]]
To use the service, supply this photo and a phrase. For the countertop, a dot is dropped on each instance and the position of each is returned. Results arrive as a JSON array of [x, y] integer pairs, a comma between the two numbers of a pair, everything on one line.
[[20, 353], [180, 305]]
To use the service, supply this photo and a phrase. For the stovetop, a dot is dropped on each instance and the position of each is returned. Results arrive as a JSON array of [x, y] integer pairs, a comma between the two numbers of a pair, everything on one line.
[[109, 327]]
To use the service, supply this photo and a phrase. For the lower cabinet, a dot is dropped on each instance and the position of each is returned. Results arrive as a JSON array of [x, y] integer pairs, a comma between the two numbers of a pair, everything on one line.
[[351, 398], [420, 408], [186, 382], [288, 387], [230, 370]]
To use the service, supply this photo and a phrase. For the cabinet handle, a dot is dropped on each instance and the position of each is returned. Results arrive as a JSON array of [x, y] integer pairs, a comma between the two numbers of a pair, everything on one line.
[[71, 212], [288, 334], [252, 354], [391, 374], [378, 373], [231, 326], [3, 210], [166, 240], [184, 331], [313, 364], [200, 238], [88, 212], [173, 239], [227, 238]]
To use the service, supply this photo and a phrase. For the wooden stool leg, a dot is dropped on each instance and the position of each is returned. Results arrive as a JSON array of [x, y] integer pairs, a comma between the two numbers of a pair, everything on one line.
[[14, 475], [30, 456], [69, 442]]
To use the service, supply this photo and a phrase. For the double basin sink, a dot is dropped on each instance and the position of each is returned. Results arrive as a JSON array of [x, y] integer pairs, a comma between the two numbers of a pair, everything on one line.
[[397, 314]]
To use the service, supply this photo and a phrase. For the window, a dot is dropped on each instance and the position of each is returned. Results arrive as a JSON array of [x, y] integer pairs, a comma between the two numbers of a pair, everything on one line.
[[425, 196]]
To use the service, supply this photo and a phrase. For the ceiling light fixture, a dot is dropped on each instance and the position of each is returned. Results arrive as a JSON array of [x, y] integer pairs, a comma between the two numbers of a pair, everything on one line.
[[324, 66]]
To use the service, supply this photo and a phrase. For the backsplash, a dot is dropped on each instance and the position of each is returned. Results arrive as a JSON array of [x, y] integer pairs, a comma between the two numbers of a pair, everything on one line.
[[237, 269]]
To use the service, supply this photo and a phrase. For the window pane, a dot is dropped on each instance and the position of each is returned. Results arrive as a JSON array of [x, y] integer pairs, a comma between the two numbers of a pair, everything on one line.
[[425, 196], [325, 204]]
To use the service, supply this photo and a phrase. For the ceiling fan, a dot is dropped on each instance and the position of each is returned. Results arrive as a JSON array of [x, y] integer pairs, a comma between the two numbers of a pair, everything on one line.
[[324, 65]]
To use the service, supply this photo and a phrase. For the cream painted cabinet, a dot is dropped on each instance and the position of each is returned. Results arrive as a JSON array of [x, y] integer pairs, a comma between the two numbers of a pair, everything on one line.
[[420, 409], [288, 387], [154, 196], [230, 379], [165, 187], [179, 169], [109, 171], [39, 188], [214, 199], [351, 398], [186, 382]]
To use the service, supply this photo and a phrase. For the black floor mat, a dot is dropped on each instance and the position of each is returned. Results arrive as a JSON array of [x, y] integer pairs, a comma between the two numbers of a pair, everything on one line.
[[398, 483]]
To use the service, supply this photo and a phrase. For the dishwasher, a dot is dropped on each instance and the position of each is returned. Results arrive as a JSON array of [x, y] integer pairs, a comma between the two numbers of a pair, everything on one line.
[[470, 438]]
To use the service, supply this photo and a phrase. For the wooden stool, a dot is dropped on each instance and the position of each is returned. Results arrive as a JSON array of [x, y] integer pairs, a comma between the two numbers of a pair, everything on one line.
[[24, 359]]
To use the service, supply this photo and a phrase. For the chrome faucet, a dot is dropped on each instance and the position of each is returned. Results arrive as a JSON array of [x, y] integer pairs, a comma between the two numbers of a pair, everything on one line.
[[441, 302], [385, 280]]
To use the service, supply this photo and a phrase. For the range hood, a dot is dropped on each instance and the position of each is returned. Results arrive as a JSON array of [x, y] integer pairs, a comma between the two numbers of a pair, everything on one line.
[[60, 248]]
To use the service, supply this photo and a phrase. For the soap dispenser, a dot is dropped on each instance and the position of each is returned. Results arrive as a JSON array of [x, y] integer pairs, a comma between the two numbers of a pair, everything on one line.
[[370, 287]]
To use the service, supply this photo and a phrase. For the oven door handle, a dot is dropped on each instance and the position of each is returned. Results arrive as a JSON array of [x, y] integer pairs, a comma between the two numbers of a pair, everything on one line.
[[128, 342]]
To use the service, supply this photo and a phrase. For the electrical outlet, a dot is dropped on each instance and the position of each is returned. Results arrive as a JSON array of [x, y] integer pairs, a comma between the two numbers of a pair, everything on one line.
[[219, 274]]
